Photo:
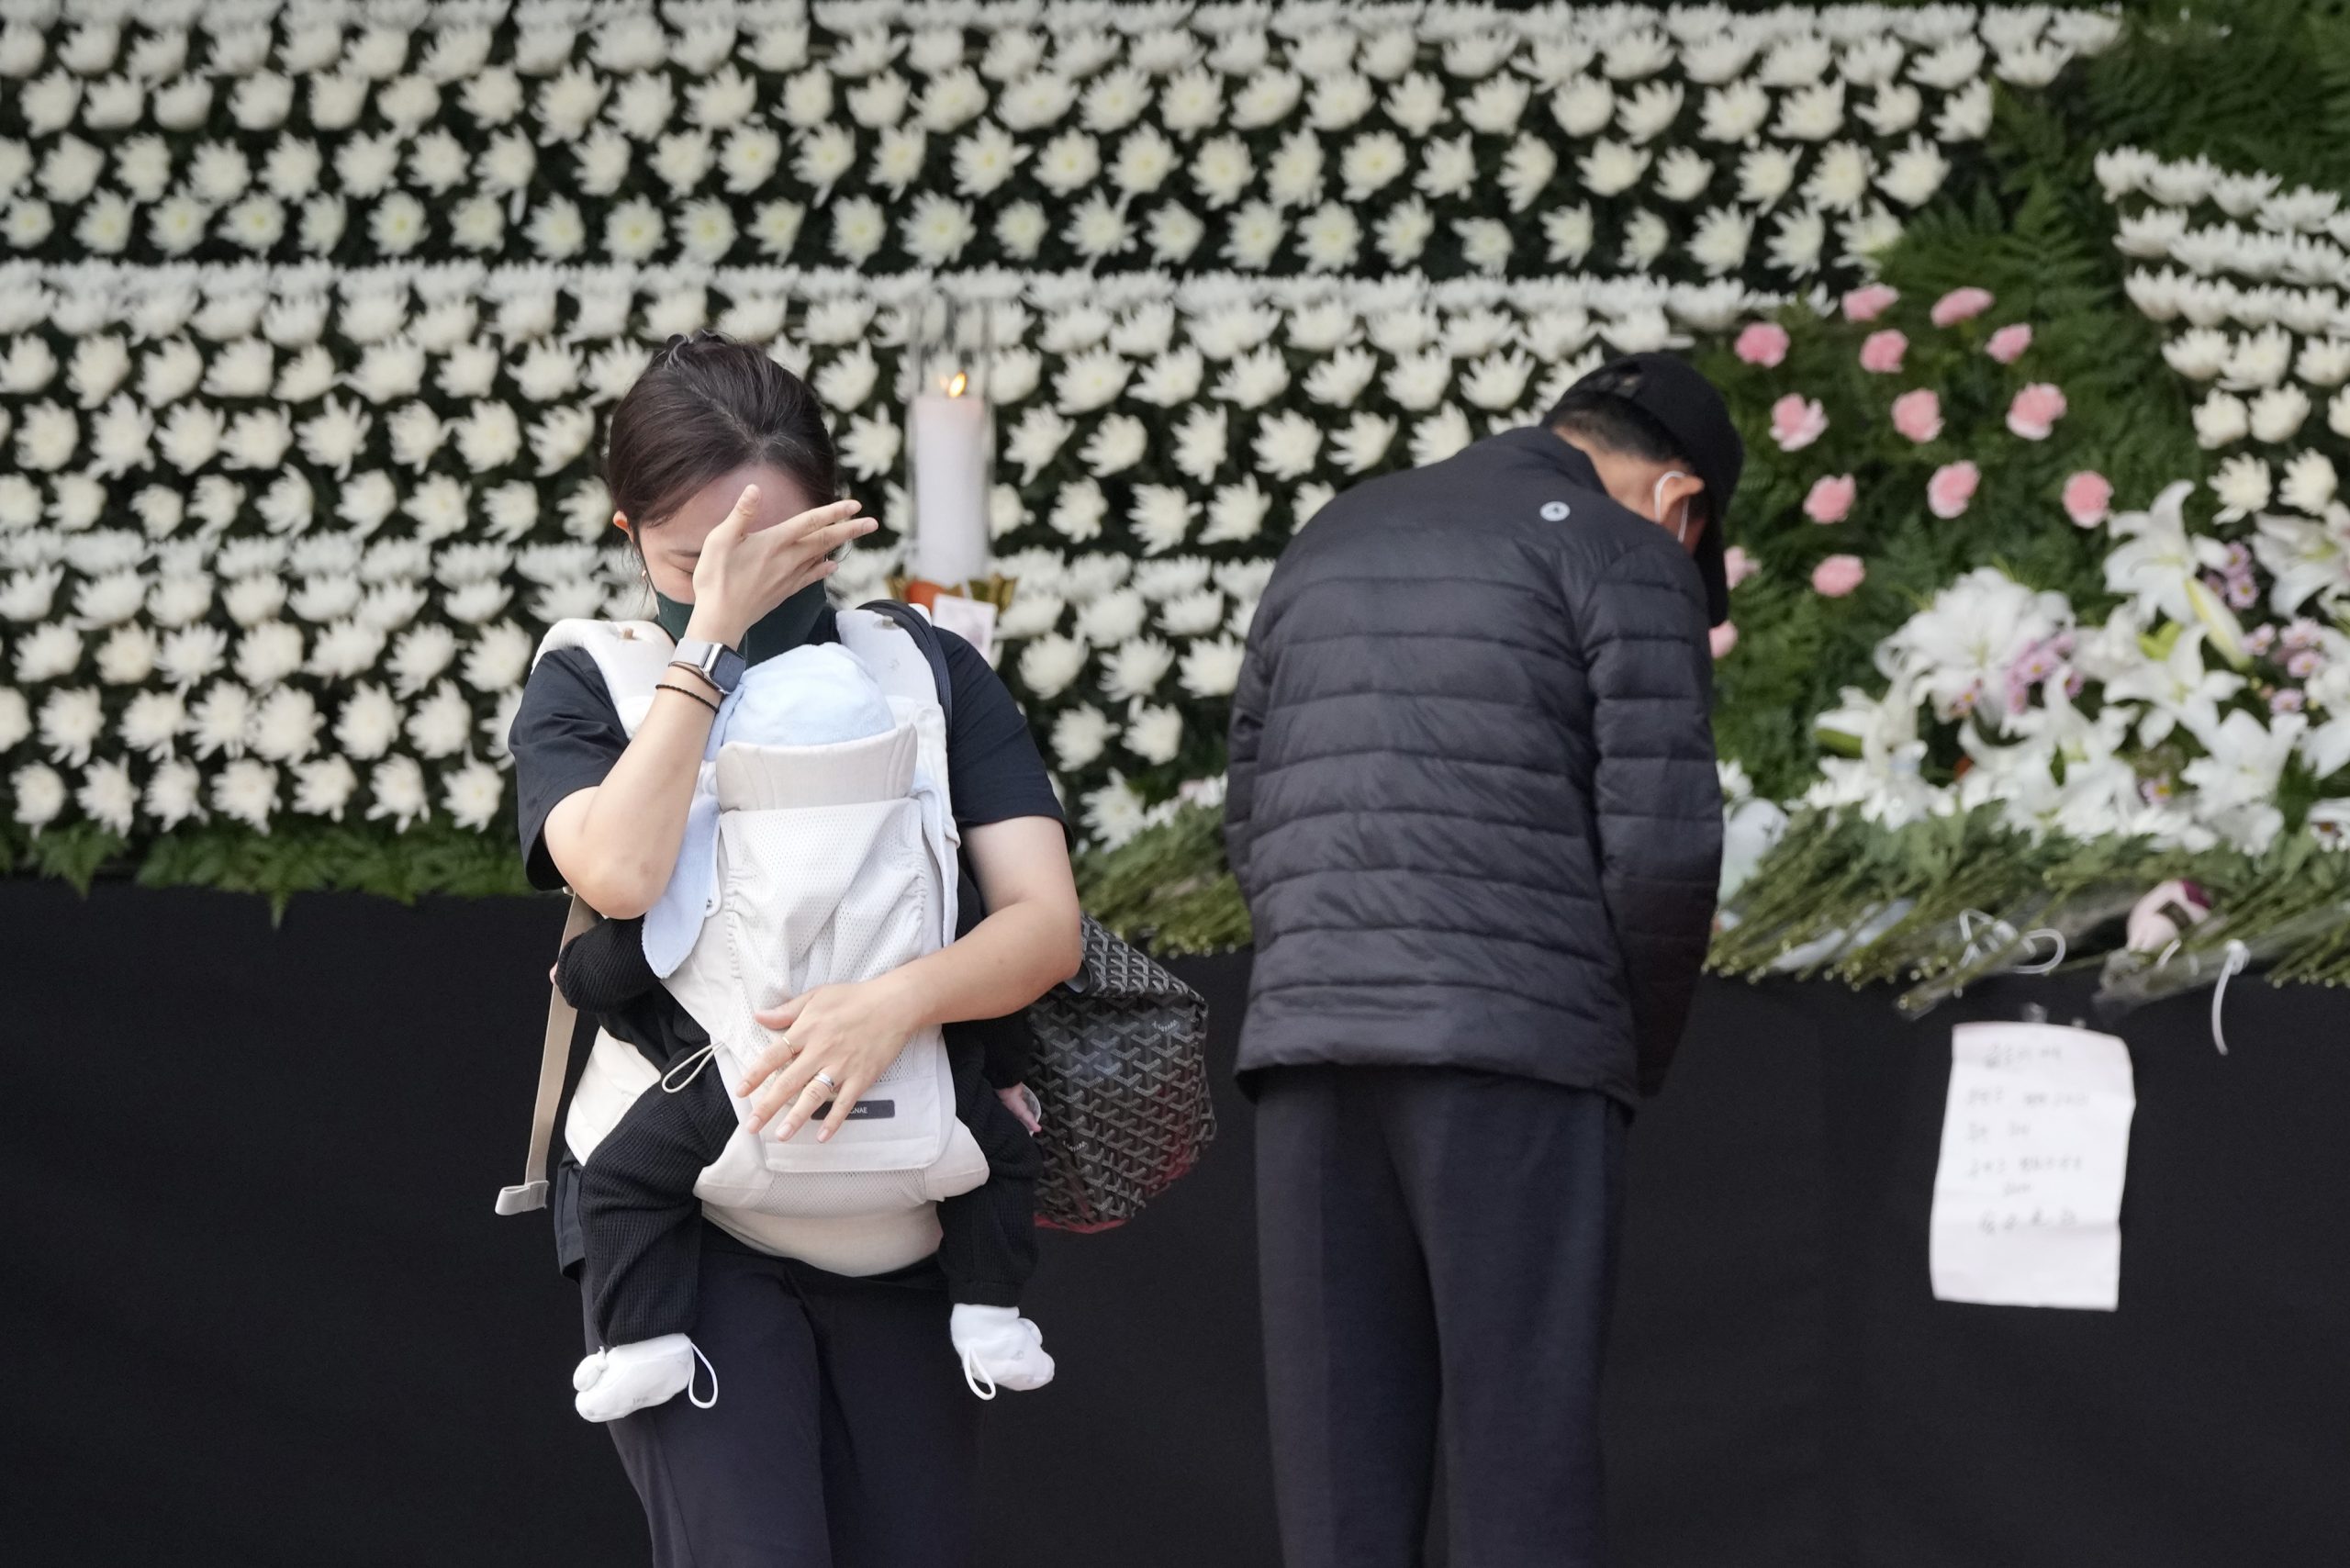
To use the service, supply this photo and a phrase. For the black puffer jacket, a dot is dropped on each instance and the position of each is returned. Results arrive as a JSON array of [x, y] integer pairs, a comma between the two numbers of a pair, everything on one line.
[[1472, 799]]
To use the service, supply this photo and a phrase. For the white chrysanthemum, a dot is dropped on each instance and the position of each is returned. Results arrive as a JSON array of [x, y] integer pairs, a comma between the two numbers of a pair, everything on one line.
[[1915, 174], [40, 794], [1136, 668], [345, 649], [1079, 735], [496, 729], [1723, 238], [1287, 446], [246, 792], [441, 725], [175, 794], [151, 722], [367, 499], [1254, 380], [1112, 616], [323, 788], [369, 722], [500, 657], [221, 720], [2310, 484], [1118, 444], [71, 722], [108, 601], [1201, 443], [1079, 510], [2242, 485], [2221, 419], [251, 600], [1171, 379], [870, 445], [108, 796], [1021, 229], [418, 657], [1211, 669], [1441, 435], [268, 653], [1161, 517], [285, 727], [2277, 414], [1049, 663], [1236, 513], [559, 436], [47, 652], [1646, 235], [128, 655], [472, 794]]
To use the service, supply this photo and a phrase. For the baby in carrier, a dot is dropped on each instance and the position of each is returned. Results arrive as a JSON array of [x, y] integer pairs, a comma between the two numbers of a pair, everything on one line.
[[839, 866]]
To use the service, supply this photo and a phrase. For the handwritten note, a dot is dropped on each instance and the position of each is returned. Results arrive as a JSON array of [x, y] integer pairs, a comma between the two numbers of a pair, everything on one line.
[[2035, 1143]]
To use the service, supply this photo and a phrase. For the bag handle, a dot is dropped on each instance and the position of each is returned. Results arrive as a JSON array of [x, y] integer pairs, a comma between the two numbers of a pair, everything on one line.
[[554, 1063]]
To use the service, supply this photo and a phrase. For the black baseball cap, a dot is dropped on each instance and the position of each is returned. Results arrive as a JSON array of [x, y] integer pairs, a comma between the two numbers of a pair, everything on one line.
[[1687, 408]]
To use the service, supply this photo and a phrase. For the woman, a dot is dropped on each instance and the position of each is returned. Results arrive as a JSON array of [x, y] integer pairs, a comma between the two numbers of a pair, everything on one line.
[[846, 1436]]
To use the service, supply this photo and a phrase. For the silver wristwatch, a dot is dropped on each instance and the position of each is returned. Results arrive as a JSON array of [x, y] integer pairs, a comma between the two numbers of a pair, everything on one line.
[[718, 664]]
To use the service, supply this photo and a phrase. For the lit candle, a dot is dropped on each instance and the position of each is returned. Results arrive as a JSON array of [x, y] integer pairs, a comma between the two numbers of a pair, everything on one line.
[[949, 440]]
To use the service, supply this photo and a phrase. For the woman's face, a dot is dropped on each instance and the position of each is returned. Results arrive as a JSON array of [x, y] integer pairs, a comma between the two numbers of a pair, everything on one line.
[[672, 545]]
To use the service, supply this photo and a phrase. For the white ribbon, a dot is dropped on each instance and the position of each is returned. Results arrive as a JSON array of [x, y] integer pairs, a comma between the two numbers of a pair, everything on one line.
[[2002, 935]]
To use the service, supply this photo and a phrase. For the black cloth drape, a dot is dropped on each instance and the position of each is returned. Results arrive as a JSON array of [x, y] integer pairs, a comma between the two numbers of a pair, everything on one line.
[[259, 1311]]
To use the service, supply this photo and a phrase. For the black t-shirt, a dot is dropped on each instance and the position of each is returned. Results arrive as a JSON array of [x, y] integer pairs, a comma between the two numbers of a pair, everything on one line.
[[568, 734]]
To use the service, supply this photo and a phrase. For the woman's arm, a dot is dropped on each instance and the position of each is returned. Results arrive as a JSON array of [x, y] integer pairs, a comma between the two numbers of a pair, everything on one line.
[[1030, 942], [617, 843]]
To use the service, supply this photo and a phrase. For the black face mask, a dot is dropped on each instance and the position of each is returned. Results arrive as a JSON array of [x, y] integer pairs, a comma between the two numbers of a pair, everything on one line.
[[779, 631]]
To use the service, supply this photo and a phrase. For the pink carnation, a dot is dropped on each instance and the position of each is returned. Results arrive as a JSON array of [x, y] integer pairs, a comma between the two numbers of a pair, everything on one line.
[[1763, 343], [1831, 499], [1837, 576], [1960, 305], [1737, 566], [2035, 412], [1881, 352], [1724, 637], [1869, 303], [2007, 345], [1797, 422], [1953, 486], [2088, 497], [1919, 415]]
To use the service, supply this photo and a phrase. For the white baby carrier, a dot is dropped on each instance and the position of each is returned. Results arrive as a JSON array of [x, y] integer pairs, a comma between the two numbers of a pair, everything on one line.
[[827, 865]]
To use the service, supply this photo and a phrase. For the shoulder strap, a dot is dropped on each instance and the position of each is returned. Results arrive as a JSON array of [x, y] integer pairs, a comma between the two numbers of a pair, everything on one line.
[[631, 656], [925, 636], [554, 1063]]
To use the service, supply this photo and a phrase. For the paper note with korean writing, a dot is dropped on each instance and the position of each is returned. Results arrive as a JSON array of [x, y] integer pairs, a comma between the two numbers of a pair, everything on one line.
[[2035, 1146]]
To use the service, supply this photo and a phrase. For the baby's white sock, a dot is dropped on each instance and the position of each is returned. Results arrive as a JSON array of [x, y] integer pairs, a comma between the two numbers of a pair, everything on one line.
[[1000, 1349], [623, 1378]]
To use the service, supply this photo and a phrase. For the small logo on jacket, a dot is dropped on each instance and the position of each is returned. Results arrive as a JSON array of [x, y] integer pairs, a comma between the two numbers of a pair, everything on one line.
[[1554, 511]]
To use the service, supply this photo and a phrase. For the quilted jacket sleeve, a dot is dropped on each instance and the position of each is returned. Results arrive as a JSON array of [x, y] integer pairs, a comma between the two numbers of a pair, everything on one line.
[[1248, 703], [1656, 796]]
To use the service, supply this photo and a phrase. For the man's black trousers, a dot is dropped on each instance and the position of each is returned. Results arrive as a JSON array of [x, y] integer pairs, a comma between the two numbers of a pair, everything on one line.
[[1436, 1251]]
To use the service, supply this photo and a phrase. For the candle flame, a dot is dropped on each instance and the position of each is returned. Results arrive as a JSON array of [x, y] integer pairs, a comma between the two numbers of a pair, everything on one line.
[[954, 387]]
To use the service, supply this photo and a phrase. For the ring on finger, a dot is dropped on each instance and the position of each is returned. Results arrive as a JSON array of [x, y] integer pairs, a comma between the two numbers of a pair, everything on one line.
[[829, 1082]]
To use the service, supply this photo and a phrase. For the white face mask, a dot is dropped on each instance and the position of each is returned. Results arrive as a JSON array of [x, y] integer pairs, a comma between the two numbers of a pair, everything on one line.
[[1656, 507]]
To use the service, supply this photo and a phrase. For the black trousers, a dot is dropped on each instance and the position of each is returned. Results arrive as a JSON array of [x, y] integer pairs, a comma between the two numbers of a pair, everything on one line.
[[1437, 1253], [842, 1436]]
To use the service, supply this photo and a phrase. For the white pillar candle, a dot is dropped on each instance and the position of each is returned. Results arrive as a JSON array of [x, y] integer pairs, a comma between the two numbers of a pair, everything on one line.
[[950, 463]]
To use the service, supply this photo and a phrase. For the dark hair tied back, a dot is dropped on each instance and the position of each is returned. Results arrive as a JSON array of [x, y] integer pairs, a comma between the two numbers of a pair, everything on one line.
[[707, 405]]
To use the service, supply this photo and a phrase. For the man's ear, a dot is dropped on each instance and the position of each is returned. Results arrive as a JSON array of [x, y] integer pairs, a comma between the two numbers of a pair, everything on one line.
[[1680, 487]]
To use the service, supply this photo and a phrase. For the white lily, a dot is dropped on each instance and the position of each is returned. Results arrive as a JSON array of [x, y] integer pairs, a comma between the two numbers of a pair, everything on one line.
[[2305, 556], [2160, 567], [2176, 687], [1959, 648], [2235, 786]]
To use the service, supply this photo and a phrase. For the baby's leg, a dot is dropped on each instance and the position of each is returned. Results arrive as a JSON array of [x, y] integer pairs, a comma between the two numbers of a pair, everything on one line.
[[640, 1225], [988, 1247]]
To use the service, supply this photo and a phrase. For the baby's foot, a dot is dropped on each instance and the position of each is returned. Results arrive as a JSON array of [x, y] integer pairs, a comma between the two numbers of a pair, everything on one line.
[[625, 1378], [1000, 1349]]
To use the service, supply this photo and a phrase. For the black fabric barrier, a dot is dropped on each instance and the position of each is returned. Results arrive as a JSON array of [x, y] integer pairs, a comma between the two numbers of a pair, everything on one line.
[[257, 1311]]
